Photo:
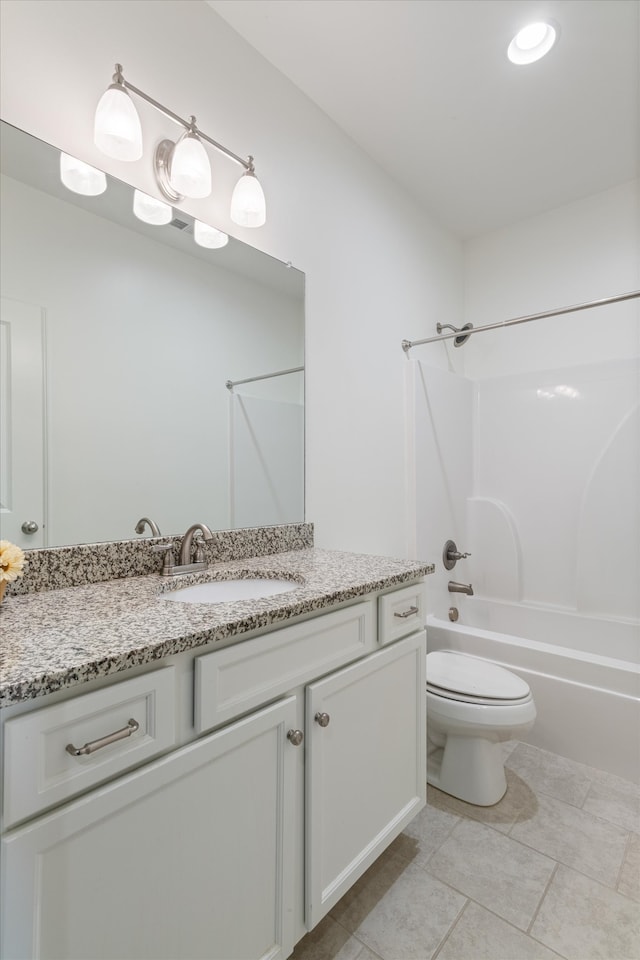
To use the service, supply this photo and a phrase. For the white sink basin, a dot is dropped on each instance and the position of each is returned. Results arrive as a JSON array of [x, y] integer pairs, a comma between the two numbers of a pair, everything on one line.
[[224, 591]]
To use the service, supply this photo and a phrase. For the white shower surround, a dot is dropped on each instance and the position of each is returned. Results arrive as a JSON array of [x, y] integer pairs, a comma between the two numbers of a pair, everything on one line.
[[547, 506], [524, 447]]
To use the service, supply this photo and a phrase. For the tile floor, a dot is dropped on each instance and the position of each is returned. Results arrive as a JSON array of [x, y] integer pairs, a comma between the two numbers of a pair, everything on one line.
[[552, 871]]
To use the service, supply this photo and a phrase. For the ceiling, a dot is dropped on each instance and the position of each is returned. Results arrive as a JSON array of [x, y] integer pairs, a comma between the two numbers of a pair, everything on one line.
[[425, 88]]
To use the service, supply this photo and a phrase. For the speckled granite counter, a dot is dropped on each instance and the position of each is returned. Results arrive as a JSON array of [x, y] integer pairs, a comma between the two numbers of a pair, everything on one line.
[[61, 638]]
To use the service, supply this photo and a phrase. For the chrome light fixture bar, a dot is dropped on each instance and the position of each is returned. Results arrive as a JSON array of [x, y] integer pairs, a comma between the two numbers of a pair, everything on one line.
[[182, 169]]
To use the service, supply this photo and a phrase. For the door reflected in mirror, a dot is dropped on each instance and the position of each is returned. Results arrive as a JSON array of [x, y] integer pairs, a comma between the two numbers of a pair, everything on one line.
[[118, 339]]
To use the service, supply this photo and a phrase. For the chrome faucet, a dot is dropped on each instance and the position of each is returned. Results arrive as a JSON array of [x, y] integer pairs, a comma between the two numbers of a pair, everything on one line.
[[187, 544], [454, 587], [185, 564], [153, 527]]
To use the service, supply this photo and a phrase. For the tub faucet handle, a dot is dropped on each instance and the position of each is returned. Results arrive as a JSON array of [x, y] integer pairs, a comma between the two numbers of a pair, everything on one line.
[[451, 555]]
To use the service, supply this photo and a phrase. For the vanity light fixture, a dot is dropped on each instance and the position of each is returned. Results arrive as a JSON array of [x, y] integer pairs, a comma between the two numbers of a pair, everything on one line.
[[248, 206], [150, 210], [80, 177], [117, 128], [206, 236], [182, 169], [532, 42], [189, 167]]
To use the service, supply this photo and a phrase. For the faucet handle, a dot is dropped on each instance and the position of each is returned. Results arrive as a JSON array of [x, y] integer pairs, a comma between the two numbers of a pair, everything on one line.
[[198, 543], [167, 549], [451, 555]]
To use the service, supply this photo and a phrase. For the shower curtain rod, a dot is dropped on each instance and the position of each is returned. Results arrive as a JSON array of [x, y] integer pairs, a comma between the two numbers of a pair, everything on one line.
[[468, 330], [230, 384]]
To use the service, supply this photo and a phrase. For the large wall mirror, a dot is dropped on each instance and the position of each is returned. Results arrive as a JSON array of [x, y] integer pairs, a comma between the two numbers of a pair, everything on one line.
[[117, 342]]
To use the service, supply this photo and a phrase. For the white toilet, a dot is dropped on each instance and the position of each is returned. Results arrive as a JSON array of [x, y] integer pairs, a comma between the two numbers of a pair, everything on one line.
[[472, 706]]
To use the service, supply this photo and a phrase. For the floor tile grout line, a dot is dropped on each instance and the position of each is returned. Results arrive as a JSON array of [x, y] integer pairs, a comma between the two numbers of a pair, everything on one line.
[[452, 927], [478, 903], [540, 901], [571, 866], [627, 848], [536, 789], [498, 916], [586, 796], [509, 923], [529, 846], [593, 774], [356, 937]]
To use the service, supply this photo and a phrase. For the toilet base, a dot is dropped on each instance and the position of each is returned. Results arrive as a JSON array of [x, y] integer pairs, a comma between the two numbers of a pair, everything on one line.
[[469, 768]]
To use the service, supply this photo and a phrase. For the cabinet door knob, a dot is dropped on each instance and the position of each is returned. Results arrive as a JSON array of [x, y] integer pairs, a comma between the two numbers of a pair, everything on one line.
[[323, 719], [295, 737]]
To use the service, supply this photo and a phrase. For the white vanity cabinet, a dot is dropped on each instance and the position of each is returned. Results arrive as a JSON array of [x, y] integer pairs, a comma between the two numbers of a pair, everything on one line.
[[189, 857], [365, 766], [307, 758]]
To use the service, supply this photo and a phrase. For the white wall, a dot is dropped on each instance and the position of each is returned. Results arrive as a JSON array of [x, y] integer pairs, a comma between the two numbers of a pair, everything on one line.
[[377, 269], [583, 251]]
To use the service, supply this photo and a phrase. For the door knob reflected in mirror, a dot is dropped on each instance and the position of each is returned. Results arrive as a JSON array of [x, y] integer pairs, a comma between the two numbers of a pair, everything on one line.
[[29, 526]]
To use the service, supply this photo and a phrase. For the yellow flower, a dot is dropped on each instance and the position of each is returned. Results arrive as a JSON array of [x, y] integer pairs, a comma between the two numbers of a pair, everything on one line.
[[11, 561]]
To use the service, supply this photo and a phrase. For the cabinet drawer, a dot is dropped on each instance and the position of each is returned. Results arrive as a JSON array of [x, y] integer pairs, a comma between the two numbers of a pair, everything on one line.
[[39, 771], [231, 681], [401, 613]]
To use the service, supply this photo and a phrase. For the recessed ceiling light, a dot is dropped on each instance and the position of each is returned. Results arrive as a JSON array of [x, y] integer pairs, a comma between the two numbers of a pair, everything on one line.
[[531, 43]]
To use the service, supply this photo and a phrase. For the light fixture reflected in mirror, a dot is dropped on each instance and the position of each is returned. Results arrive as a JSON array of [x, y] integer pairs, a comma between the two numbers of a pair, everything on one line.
[[206, 236], [150, 210], [81, 177], [182, 169]]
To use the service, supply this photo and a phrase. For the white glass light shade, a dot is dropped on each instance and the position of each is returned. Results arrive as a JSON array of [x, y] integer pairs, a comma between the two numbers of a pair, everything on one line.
[[117, 129], [80, 177], [248, 205], [206, 236], [150, 210], [189, 168], [531, 43]]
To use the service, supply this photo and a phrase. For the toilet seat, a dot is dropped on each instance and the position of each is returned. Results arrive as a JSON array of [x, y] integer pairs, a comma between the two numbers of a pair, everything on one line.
[[457, 676]]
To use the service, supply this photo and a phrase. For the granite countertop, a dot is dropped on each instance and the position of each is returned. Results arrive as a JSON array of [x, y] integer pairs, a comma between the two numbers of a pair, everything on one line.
[[61, 638]]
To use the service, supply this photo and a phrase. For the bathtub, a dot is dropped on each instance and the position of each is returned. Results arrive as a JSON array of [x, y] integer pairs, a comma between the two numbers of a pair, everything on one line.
[[584, 673]]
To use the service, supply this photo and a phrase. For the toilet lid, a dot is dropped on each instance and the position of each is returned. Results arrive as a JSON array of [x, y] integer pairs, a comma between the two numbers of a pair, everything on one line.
[[457, 673]]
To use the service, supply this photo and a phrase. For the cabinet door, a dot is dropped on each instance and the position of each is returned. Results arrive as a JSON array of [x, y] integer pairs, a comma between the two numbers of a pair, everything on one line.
[[189, 857], [365, 770]]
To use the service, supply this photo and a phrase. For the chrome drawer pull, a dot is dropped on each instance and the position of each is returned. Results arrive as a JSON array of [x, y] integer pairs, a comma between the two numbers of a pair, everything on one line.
[[130, 728], [407, 613]]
